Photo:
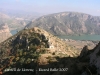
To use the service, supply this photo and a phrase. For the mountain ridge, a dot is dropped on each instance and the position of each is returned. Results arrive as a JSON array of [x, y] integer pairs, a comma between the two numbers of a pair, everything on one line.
[[67, 23]]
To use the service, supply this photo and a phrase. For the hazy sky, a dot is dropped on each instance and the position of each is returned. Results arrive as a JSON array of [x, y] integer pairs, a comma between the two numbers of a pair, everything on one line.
[[53, 6]]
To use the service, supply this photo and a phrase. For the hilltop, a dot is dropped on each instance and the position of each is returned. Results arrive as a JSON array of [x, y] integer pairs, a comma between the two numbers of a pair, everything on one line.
[[33, 45]]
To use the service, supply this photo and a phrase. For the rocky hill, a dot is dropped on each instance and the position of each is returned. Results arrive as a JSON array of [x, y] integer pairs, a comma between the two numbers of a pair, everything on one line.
[[4, 32], [32, 47], [66, 23], [35, 51]]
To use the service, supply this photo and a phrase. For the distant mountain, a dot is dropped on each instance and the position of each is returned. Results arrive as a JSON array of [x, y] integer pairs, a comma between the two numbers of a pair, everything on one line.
[[4, 32], [27, 15], [13, 22], [9, 24], [66, 23], [3, 18]]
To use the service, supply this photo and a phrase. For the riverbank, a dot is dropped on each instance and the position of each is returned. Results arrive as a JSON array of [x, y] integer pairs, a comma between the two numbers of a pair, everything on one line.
[[80, 43]]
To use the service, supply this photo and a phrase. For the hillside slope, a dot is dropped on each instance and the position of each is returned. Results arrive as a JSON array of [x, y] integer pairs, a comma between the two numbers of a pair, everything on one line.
[[66, 23], [33, 46], [35, 51]]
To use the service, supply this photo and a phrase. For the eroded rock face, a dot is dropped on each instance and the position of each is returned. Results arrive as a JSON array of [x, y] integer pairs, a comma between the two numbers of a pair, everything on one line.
[[4, 32], [93, 61], [95, 58], [84, 51]]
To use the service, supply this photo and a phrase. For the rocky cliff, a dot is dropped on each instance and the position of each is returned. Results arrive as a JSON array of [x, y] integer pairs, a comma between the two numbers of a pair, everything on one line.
[[4, 32], [92, 58], [95, 59], [66, 23]]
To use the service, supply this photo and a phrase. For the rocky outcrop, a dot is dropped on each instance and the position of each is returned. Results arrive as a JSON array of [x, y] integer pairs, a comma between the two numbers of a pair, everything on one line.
[[84, 51], [4, 32], [95, 58], [92, 58]]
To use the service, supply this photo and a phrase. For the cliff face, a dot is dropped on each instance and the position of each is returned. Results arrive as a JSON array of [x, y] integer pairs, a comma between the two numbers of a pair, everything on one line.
[[4, 32], [68, 23], [95, 58], [92, 58]]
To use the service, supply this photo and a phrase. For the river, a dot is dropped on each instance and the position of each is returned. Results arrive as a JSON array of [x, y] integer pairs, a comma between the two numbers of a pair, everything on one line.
[[74, 37], [82, 37]]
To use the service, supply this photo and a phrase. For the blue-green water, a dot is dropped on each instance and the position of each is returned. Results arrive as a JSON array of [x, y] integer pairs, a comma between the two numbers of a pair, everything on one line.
[[82, 37], [13, 32]]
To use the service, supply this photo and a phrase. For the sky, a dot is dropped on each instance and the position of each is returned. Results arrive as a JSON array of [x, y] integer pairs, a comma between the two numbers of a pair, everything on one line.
[[91, 7]]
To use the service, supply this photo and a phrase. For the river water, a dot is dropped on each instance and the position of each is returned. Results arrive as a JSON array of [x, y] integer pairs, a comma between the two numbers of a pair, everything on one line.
[[74, 37], [82, 37]]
